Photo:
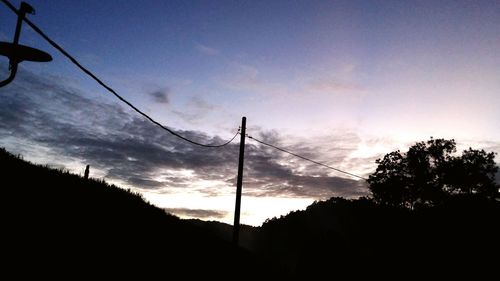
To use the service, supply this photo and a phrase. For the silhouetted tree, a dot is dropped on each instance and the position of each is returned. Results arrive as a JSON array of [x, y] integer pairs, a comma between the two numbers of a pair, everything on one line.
[[429, 172], [473, 173], [389, 183]]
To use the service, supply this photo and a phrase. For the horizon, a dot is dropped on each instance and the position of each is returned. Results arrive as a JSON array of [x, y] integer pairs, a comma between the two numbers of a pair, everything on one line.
[[342, 83]]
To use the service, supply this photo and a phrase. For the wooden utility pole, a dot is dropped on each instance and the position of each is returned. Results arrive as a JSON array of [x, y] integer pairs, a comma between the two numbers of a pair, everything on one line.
[[239, 183]]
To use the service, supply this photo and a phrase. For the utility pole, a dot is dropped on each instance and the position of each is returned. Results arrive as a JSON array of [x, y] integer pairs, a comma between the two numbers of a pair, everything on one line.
[[239, 183]]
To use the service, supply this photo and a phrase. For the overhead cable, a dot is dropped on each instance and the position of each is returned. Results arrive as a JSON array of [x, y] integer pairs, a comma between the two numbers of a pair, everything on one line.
[[305, 158]]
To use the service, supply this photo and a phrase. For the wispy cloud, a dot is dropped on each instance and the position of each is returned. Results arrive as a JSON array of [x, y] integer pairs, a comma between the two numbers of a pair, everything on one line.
[[201, 104], [197, 213], [196, 110], [160, 96], [207, 50]]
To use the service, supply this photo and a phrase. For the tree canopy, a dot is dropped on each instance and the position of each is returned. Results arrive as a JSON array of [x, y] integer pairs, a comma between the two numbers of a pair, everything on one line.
[[431, 171]]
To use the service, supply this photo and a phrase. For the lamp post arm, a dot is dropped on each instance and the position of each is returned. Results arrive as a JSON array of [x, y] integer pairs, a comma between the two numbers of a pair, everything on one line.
[[14, 60], [13, 71]]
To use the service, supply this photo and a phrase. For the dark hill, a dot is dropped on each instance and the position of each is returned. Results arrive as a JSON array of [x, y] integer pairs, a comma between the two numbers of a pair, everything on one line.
[[225, 232], [55, 223], [358, 238]]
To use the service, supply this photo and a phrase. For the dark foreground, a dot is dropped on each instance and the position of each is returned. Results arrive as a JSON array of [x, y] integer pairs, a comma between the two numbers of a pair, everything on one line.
[[55, 224]]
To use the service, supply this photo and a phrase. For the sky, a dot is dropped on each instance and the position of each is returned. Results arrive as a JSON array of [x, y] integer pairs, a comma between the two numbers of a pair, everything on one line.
[[341, 82]]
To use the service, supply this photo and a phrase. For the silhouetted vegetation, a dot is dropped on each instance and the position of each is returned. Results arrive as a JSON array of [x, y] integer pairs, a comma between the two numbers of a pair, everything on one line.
[[360, 238], [432, 212], [429, 173], [59, 224], [55, 222]]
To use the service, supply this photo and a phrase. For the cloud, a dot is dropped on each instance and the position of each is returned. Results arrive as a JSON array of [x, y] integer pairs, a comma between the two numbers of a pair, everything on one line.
[[60, 120], [197, 213], [201, 104], [160, 96], [268, 174], [204, 49], [108, 137], [196, 110]]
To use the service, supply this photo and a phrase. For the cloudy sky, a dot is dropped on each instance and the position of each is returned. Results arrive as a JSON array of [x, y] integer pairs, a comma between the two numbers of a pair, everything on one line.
[[342, 82]]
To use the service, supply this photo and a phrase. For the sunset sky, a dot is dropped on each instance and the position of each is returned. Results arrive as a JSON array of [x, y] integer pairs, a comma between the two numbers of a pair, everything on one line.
[[341, 82]]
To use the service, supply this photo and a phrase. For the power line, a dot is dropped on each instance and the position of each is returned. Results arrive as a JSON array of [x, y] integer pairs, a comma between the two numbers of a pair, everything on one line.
[[89, 73], [305, 158]]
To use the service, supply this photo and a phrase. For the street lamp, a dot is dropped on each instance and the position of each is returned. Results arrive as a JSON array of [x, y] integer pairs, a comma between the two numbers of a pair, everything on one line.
[[17, 52]]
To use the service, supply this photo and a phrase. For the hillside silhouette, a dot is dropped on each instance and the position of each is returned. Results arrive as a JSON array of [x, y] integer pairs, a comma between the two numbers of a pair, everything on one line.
[[358, 238], [54, 222]]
